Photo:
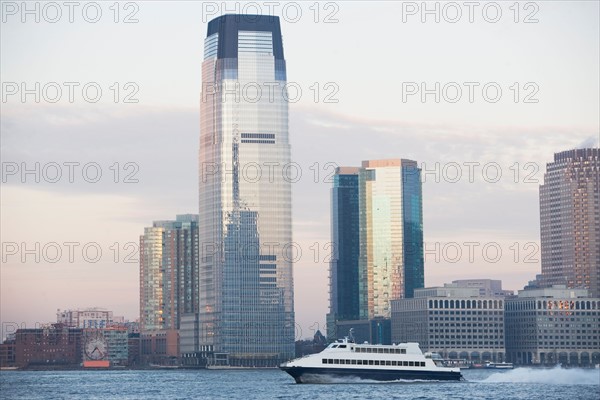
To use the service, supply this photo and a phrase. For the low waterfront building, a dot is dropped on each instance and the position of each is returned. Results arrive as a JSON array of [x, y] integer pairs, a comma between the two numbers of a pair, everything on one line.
[[48, 347], [117, 345], [456, 321], [7, 352], [159, 347], [553, 325]]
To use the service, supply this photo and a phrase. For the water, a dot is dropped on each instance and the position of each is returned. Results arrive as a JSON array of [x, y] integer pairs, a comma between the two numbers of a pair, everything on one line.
[[520, 383]]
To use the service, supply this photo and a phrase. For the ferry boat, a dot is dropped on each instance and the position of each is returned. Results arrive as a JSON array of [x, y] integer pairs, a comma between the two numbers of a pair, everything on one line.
[[491, 365], [347, 360], [502, 365]]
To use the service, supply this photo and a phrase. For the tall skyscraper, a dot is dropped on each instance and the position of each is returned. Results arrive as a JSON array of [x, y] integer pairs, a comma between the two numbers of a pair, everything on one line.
[[570, 220], [391, 234], [168, 272], [344, 274], [151, 290], [377, 231], [246, 285]]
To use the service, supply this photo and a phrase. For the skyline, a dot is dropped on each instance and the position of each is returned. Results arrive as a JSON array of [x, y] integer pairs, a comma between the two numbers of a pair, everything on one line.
[[107, 212]]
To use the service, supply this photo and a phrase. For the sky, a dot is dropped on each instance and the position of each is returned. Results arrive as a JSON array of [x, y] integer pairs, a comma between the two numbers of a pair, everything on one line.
[[481, 98]]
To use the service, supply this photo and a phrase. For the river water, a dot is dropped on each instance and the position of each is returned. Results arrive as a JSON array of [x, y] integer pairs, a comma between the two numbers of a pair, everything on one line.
[[520, 383]]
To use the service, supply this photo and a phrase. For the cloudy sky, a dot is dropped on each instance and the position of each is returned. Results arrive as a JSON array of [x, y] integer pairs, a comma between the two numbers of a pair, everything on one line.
[[480, 97]]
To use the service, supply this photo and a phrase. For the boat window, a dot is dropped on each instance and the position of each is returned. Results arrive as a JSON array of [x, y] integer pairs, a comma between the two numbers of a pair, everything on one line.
[[353, 362], [394, 363], [342, 346], [370, 362], [422, 363], [411, 363], [330, 360], [405, 363], [359, 362], [336, 361], [386, 351], [324, 361], [376, 362], [402, 351], [388, 363], [380, 350], [334, 346]]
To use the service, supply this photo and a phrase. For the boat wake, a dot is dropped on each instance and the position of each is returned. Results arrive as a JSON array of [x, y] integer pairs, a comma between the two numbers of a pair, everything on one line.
[[329, 379], [554, 376]]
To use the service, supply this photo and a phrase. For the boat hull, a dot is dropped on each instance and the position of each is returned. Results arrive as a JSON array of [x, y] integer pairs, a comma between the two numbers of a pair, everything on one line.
[[330, 375]]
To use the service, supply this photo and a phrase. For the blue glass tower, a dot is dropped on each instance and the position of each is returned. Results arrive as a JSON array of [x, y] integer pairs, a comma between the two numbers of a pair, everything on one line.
[[344, 276], [412, 220]]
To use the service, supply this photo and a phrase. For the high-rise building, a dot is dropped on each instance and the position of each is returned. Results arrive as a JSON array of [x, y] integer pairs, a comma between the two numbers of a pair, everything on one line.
[[377, 232], [168, 272], [246, 287], [344, 274], [391, 234], [570, 220]]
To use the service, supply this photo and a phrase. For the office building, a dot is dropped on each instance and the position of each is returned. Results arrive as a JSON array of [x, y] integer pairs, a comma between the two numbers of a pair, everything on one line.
[[246, 313], [456, 321], [555, 325], [570, 220], [377, 234], [391, 261], [344, 273]]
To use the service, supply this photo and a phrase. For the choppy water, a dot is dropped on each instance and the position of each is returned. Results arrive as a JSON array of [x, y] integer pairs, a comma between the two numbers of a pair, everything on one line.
[[520, 383]]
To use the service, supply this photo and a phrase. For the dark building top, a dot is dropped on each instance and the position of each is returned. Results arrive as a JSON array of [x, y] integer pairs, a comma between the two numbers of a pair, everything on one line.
[[576, 153], [228, 26]]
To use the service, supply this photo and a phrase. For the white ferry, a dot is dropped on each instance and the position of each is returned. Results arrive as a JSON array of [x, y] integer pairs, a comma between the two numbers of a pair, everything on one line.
[[346, 359]]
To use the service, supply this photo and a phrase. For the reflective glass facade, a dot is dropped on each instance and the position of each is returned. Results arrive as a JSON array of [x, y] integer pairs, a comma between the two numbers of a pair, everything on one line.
[[412, 220], [344, 277], [391, 234], [246, 287], [570, 220]]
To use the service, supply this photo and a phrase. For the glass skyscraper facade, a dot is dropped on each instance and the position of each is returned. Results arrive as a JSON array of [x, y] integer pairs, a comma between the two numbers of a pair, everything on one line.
[[570, 220], [344, 276], [391, 234], [246, 312], [377, 231]]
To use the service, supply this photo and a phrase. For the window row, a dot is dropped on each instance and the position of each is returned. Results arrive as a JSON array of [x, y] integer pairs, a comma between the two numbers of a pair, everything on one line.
[[380, 350], [392, 363]]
